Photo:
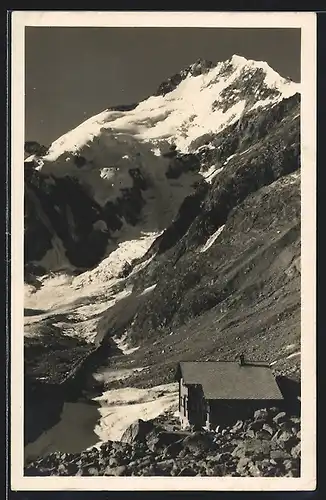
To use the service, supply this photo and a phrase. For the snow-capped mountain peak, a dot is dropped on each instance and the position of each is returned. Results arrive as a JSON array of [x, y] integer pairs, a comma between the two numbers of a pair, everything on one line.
[[203, 98]]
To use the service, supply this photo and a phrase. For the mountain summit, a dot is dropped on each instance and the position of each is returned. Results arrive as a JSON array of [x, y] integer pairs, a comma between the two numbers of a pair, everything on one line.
[[201, 98]]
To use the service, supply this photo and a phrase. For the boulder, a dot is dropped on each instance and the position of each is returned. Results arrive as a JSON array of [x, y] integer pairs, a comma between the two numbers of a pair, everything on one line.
[[287, 440], [296, 451], [225, 457], [115, 471], [139, 450], [264, 464], [280, 417], [106, 448], [263, 434], [253, 448], [173, 449], [219, 470], [187, 471], [198, 441], [72, 469], [113, 462], [165, 465], [121, 470], [160, 440], [93, 471], [289, 464], [269, 429], [145, 462], [256, 425], [277, 435], [261, 414], [296, 421], [286, 425], [273, 471], [62, 470], [149, 471], [89, 470], [137, 431], [254, 470], [273, 411], [242, 465], [278, 455], [237, 427]]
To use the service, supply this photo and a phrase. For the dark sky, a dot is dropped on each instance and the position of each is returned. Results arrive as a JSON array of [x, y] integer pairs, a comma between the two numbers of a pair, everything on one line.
[[73, 73]]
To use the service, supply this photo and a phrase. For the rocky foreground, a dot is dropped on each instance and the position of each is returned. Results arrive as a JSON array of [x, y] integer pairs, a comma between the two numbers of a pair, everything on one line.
[[268, 444]]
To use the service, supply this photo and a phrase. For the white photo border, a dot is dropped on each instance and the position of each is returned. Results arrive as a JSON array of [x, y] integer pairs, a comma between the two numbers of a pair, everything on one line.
[[306, 21]]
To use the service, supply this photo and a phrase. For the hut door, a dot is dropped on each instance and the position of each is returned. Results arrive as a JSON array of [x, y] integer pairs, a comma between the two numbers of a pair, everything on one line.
[[197, 412]]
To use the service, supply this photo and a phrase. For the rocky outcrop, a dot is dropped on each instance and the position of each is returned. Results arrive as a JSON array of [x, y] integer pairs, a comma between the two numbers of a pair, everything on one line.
[[199, 67], [267, 445], [60, 215]]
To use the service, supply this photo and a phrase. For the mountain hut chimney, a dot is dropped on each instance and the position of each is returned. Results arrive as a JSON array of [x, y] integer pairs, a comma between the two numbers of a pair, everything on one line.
[[241, 360]]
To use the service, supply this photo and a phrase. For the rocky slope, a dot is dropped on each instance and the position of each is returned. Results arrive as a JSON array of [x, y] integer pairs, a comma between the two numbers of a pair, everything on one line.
[[227, 271]]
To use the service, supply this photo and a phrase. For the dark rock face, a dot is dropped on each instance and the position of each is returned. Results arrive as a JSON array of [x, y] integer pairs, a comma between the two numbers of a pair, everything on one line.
[[124, 107], [182, 163], [226, 453], [61, 208], [188, 211], [137, 432], [34, 148], [249, 85]]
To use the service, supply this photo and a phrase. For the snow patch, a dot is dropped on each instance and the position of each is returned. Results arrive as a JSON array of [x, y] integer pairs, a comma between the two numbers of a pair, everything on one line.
[[229, 158], [123, 345], [211, 173], [109, 375], [293, 355], [121, 407], [148, 289]]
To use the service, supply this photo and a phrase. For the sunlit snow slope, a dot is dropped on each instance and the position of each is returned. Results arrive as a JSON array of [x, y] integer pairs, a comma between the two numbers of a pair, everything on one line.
[[199, 104]]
